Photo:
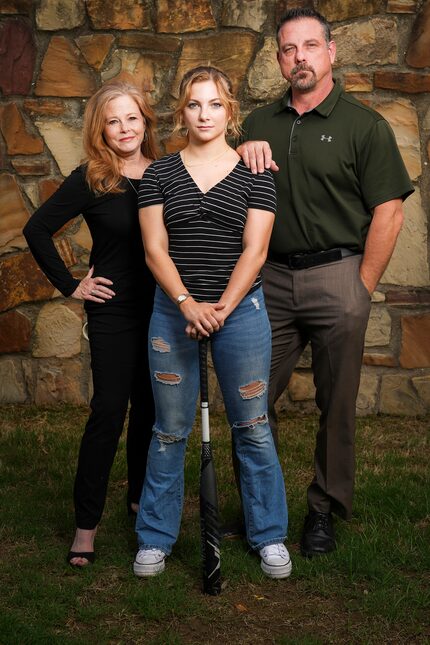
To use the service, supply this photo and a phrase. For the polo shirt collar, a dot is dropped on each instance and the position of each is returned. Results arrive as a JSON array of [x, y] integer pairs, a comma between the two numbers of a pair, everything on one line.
[[324, 108]]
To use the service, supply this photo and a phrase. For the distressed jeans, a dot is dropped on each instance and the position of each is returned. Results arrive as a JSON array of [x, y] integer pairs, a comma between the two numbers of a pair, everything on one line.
[[241, 357]]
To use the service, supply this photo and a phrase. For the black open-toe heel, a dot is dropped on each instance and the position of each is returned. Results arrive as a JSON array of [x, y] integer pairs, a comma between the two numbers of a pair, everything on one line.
[[88, 555]]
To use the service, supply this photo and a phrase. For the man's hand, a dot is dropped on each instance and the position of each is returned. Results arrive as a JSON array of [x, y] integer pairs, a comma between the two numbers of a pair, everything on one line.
[[257, 156]]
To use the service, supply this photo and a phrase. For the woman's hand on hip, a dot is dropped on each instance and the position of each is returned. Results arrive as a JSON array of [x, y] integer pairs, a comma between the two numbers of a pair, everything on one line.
[[94, 289]]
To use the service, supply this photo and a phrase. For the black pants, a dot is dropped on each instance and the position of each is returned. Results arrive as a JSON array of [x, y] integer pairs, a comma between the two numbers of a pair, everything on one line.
[[119, 363]]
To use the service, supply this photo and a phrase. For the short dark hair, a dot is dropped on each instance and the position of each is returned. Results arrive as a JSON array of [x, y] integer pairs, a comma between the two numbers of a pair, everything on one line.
[[297, 14]]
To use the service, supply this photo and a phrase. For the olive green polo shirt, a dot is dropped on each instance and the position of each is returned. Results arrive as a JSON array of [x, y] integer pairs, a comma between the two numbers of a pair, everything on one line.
[[337, 162]]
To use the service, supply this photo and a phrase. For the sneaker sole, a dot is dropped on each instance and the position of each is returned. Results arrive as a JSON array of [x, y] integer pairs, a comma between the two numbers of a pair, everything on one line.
[[147, 570], [282, 571]]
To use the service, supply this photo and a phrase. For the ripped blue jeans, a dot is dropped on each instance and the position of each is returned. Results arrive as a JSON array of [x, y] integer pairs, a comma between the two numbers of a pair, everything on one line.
[[241, 357]]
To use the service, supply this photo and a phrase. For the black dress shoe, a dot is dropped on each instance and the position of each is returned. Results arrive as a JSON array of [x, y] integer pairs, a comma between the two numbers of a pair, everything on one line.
[[318, 534]]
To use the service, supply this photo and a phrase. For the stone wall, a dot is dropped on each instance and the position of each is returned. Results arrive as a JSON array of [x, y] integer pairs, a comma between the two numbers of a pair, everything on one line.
[[55, 53]]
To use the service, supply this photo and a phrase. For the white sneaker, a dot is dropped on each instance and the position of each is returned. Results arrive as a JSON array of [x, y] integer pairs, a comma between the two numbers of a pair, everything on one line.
[[149, 562], [275, 561]]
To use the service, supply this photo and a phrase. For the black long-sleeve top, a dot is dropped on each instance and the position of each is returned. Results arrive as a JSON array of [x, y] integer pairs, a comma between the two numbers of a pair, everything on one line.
[[117, 252]]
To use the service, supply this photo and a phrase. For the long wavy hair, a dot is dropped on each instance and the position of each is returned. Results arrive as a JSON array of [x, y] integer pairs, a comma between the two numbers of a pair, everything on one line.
[[224, 87], [103, 171]]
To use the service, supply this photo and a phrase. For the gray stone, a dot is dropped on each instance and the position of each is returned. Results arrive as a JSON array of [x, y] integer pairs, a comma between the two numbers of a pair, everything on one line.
[[367, 399], [265, 80], [12, 388], [422, 386], [250, 14], [372, 42], [60, 14], [379, 328], [398, 396], [409, 265], [58, 332]]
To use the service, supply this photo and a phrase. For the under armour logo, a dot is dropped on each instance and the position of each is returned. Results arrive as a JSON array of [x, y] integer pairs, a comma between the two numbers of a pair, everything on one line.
[[324, 138]]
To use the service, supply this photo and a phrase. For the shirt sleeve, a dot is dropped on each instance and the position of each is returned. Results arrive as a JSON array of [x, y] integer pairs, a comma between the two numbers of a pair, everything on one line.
[[66, 203], [263, 193], [381, 169], [150, 191]]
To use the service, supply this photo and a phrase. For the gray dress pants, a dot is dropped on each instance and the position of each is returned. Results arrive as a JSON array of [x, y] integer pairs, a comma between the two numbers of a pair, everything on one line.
[[329, 307]]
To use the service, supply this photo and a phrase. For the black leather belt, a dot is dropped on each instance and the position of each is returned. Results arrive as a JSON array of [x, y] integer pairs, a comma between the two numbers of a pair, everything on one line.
[[306, 260]]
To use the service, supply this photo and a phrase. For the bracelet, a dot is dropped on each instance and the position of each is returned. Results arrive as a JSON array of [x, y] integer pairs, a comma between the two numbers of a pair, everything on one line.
[[180, 299]]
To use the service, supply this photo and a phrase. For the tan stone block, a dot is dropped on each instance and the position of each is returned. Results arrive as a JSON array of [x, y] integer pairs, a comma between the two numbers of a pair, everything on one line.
[[401, 6], [63, 72], [409, 82], [64, 142], [21, 280], [13, 212], [65, 250], [336, 10], [58, 332], [428, 149], [418, 54], [83, 237], [176, 16], [415, 348], [367, 398], [60, 382], [426, 121], [408, 265], [47, 187], [15, 332], [422, 386], [147, 72], [264, 78], [60, 14], [16, 6], [95, 48], [403, 118], [383, 360], [12, 387], [230, 51], [250, 14], [149, 42], [45, 107], [18, 140], [301, 387], [119, 14], [357, 82], [398, 396], [379, 328], [373, 42], [34, 167]]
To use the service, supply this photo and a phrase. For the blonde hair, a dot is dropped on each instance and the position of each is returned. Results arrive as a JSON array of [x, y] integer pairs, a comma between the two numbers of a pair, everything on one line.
[[103, 172], [224, 87]]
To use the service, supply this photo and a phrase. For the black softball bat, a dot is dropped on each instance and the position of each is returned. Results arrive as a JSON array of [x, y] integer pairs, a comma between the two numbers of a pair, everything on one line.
[[209, 522]]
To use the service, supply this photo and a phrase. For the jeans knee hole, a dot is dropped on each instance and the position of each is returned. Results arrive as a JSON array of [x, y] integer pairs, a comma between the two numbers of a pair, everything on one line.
[[158, 344], [251, 423], [167, 378], [253, 389]]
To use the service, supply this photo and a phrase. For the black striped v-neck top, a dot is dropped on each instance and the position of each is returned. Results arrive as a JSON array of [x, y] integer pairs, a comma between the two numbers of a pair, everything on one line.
[[205, 229]]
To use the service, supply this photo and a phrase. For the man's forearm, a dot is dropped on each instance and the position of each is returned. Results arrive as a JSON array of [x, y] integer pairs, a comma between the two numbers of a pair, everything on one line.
[[380, 242]]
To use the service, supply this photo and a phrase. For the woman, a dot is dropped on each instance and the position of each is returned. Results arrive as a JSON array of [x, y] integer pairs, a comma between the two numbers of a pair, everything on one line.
[[206, 222], [119, 142]]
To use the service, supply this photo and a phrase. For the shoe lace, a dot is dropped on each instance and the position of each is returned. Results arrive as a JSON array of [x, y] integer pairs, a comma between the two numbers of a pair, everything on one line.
[[321, 522]]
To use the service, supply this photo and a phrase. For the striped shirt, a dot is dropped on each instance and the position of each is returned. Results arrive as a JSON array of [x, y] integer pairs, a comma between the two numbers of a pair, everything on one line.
[[205, 229]]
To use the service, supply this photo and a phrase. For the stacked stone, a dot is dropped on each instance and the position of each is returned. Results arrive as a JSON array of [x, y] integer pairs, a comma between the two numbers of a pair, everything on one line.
[[55, 53]]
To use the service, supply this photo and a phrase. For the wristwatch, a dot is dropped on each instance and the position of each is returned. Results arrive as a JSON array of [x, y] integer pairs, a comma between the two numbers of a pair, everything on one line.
[[180, 299]]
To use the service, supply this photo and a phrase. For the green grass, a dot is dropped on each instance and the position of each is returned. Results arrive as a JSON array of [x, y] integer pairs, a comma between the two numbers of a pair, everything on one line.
[[373, 589]]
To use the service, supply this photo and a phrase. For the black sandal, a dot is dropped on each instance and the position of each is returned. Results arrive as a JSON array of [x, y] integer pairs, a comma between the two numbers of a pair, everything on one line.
[[88, 555]]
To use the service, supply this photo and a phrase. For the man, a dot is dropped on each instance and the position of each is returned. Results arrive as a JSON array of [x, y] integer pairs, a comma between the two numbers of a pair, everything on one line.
[[340, 185]]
